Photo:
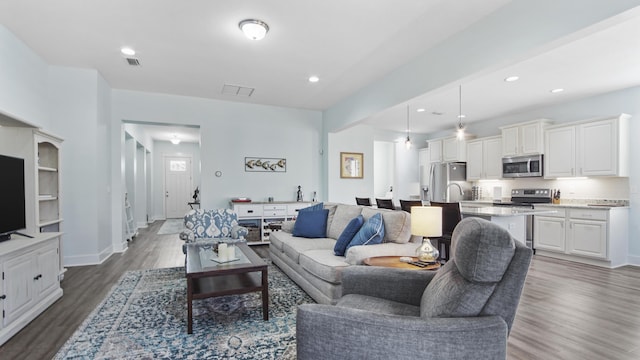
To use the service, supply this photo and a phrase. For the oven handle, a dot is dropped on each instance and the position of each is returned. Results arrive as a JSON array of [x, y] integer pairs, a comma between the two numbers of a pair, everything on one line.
[[529, 166]]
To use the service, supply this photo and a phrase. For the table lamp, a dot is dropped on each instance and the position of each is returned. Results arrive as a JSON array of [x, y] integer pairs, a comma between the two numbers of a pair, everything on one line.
[[426, 221]]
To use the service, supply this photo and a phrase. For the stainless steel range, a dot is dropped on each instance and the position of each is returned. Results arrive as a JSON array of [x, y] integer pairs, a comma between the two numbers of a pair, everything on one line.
[[527, 198]]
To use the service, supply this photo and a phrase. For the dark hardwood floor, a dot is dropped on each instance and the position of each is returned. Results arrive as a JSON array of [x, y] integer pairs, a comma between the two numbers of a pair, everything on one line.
[[567, 311]]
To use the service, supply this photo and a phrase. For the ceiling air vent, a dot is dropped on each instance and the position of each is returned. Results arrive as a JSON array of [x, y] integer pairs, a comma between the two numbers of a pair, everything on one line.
[[133, 62], [237, 90]]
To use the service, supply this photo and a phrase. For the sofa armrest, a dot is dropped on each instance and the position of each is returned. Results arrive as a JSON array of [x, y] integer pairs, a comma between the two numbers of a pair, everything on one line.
[[356, 254], [287, 225], [401, 285], [334, 332]]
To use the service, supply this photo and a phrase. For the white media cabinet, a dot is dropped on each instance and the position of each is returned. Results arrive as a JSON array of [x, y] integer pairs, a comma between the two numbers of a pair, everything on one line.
[[32, 267], [263, 214], [30, 280]]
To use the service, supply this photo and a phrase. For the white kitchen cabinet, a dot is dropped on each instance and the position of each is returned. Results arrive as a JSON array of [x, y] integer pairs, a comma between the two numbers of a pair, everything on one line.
[[549, 231], [524, 138], [591, 148], [435, 150], [30, 279], [448, 149], [597, 236], [484, 158]]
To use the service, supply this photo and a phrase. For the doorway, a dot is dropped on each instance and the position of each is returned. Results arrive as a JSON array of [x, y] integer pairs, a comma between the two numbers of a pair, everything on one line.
[[178, 182]]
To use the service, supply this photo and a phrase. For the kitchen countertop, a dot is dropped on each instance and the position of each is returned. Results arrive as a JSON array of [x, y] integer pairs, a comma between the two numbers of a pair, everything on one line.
[[502, 211], [579, 204]]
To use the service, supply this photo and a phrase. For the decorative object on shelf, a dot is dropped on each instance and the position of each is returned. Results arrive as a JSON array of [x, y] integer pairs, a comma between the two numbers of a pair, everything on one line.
[[240, 200], [196, 193], [351, 165], [315, 198], [254, 164], [299, 194], [426, 221]]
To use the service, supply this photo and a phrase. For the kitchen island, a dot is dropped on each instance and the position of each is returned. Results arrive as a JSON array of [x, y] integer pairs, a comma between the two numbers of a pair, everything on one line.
[[513, 219]]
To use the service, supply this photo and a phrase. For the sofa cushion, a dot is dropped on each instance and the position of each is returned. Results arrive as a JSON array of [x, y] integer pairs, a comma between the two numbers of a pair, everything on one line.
[[378, 305], [449, 294], [462, 287], [397, 224], [344, 214], [332, 211], [294, 246], [311, 224], [483, 250], [323, 264], [347, 235], [371, 233]]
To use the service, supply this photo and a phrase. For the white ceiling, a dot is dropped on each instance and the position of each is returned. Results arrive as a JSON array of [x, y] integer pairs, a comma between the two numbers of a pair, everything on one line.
[[193, 48]]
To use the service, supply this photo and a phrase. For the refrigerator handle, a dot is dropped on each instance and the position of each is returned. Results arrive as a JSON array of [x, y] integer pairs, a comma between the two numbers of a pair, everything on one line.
[[431, 182]]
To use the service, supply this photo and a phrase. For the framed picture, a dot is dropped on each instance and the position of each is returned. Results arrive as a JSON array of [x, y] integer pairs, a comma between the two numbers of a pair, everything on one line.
[[351, 165]]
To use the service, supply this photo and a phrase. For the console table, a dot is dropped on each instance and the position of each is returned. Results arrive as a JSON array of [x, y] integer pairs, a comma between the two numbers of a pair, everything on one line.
[[262, 216]]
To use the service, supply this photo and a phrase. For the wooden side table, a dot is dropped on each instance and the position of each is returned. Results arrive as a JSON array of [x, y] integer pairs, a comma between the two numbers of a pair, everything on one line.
[[394, 262]]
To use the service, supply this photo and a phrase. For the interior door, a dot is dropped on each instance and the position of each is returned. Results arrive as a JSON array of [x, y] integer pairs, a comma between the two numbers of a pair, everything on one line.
[[177, 191]]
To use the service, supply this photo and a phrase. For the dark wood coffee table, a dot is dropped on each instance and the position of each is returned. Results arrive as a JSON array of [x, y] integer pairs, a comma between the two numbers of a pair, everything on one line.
[[394, 262], [207, 278]]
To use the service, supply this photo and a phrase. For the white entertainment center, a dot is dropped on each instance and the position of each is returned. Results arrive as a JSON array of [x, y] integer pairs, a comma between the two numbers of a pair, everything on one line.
[[32, 266]]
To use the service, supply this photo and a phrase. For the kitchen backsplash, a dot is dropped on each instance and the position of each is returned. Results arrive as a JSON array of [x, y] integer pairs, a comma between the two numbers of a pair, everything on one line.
[[571, 190]]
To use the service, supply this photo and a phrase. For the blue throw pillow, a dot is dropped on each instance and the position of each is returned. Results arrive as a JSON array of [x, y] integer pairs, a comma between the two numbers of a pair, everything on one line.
[[347, 234], [311, 224], [372, 232], [316, 207]]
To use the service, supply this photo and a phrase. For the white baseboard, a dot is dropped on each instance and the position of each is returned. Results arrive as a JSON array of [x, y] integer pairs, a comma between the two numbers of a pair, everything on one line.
[[634, 260]]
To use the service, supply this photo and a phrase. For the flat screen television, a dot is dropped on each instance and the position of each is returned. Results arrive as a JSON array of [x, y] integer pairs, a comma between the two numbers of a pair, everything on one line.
[[12, 198]]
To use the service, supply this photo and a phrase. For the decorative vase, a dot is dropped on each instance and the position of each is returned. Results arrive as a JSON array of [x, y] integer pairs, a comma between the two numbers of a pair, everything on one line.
[[426, 251]]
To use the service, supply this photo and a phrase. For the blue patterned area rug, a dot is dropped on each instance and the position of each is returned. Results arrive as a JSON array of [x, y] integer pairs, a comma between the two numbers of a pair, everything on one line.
[[145, 317]]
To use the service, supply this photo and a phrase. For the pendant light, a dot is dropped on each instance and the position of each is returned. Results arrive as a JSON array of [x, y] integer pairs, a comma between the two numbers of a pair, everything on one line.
[[460, 128], [407, 142]]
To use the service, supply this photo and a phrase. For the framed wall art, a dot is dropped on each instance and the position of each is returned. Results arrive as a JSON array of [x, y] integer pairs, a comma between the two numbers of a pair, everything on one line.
[[259, 164], [351, 165]]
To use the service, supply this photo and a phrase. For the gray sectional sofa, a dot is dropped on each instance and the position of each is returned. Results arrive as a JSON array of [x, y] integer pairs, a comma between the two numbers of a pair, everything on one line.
[[312, 264]]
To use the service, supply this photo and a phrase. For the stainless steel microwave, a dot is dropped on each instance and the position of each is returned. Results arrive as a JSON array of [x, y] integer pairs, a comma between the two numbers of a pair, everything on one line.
[[522, 166]]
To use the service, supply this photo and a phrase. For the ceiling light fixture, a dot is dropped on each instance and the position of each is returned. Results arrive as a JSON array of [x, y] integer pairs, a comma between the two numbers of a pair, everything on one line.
[[407, 142], [314, 79], [254, 29], [511, 78], [558, 90], [175, 140], [127, 51], [421, 110], [460, 128]]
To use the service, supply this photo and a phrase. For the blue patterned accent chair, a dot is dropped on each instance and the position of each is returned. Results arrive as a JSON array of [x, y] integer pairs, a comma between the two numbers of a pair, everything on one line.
[[212, 224]]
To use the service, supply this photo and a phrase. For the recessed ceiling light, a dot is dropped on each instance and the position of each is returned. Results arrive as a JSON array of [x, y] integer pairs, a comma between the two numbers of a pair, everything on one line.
[[314, 79], [420, 110], [254, 29], [127, 51], [511, 78], [558, 90], [462, 116]]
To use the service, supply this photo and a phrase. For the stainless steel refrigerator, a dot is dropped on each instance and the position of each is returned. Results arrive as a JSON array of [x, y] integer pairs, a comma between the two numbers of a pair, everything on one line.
[[448, 182]]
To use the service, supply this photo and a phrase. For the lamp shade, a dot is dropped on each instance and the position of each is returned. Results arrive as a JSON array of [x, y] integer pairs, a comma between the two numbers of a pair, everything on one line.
[[426, 221]]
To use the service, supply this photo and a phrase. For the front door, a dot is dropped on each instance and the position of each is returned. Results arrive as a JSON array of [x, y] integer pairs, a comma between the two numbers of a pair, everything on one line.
[[177, 192]]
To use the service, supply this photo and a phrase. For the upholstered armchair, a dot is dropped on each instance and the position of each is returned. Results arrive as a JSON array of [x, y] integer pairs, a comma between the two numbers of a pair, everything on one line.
[[209, 224], [464, 310]]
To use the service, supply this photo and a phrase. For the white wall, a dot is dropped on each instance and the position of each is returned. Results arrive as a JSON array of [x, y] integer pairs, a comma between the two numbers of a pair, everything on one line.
[[383, 169], [23, 81], [229, 133], [358, 139]]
